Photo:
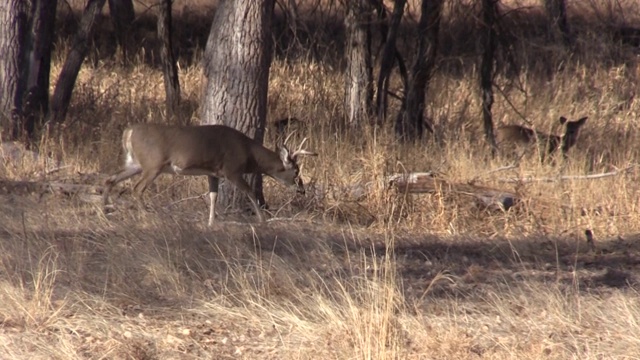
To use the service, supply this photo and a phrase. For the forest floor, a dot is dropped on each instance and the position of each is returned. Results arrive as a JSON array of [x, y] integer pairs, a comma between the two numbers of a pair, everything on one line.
[[352, 270], [153, 282]]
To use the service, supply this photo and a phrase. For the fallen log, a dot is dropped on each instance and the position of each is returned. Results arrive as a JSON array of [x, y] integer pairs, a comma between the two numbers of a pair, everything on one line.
[[419, 183], [42, 187], [529, 179]]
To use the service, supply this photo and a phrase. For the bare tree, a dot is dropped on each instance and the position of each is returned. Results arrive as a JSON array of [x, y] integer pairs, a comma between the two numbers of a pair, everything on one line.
[[169, 66], [411, 123], [26, 36], [12, 23], [359, 74], [236, 62], [489, 18], [78, 51], [39, 41], [389, 55], [557, 13], [123, 15]]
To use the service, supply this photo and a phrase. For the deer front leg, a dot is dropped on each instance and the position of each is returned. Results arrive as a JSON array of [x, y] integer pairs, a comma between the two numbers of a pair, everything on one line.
[[213, 195], [239, 182]]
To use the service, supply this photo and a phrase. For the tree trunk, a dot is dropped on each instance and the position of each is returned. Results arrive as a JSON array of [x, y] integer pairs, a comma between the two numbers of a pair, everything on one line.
[[123, 15], [389, 54], [169, 66], [38, 63], [69, 73], [410, 123], [557, 13], [25, 45], [236, 62], [489, 18], [359, 74], [13, 22]]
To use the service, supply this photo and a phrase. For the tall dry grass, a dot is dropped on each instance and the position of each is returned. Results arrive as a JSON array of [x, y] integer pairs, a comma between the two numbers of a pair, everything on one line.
[[348, 275]]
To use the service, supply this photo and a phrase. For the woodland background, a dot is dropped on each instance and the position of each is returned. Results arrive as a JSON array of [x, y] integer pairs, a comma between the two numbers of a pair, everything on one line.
[[357, 268]]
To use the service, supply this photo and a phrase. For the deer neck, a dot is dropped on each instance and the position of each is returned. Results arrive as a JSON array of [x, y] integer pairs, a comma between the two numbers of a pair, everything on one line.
[[266, 161]]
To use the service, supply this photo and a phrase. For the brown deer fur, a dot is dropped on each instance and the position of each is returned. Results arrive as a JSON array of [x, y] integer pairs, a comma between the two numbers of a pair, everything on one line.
[[517, 134], [212, 150]]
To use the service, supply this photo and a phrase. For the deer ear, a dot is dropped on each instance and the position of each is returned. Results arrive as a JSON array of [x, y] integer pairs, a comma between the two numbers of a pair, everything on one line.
[[563, 119]]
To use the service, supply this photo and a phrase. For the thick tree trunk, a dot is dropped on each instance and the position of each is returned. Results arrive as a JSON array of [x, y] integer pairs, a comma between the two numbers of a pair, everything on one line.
[[26, 37], [389, 54], [123, 15], [489, 18], [79, 49], [237, 60], [169, 66], [13, 23], [359, 74], [410, 123], [38, 63], [557, 13]]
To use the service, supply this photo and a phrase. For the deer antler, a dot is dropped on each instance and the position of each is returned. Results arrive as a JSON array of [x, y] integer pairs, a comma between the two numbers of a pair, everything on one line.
[[287, 138], [301, 151], [301, 144]]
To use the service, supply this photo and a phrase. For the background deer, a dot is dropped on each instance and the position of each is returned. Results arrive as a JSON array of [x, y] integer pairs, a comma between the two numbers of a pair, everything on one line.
[[517, 134], [212, 150]]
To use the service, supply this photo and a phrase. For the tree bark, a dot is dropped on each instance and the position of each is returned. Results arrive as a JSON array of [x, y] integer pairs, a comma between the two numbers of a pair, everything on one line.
[[25, 60], [557, 13], [79, 49], [389, 54], [489, 18], [38, 63], [13, 22], [236, 62], [410, 123], [123, 15], [359, 73], [169, 66]]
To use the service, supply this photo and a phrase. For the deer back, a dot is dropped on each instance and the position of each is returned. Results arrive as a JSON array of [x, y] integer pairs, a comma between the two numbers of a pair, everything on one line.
[[213, 149], [515, 134], [524, 135]]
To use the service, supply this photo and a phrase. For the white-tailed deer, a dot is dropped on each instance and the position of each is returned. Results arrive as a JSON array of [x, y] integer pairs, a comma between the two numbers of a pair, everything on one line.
[[212, 150], [517, 134]]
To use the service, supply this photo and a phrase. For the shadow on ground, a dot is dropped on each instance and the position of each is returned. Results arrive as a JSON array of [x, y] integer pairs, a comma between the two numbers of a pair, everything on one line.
[[155, 257]]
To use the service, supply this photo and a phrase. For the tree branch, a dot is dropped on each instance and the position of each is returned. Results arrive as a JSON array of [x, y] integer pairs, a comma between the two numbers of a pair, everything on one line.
[[569, 177]]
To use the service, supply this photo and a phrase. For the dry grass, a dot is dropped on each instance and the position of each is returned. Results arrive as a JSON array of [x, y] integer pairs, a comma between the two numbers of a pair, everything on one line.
[[341, 276]]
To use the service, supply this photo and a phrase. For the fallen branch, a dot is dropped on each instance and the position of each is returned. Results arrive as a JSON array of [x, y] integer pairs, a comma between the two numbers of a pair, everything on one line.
[[492, 171], [568, 177], [417, 183], [56, 169], [408, 177], [42, 187]]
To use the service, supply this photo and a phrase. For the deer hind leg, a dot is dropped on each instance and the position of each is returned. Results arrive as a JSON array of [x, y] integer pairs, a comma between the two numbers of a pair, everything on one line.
[[145, 180], [119, 177], [242, 185], [213, 195], [148, 176]]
